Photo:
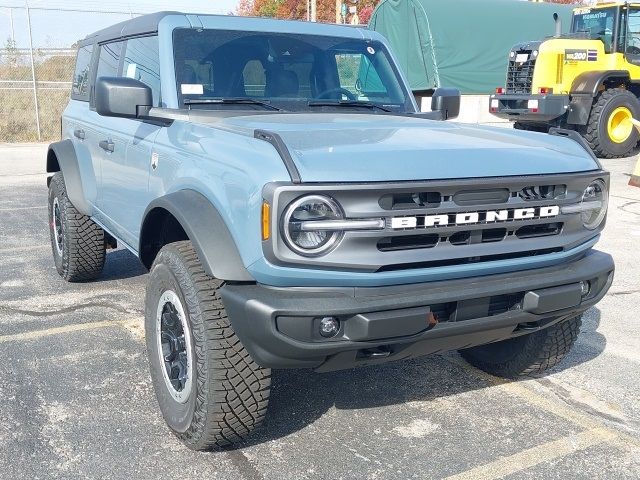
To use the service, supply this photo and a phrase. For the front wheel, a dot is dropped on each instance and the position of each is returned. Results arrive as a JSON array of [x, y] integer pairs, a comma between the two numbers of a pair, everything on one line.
[[610, 131], [210, 391], [526, 355]]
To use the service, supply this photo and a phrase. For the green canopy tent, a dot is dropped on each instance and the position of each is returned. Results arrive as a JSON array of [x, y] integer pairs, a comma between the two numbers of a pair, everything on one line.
[[461, 43]]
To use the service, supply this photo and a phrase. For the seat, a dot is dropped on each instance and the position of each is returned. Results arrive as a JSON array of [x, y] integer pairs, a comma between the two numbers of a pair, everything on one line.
[[282, 83]]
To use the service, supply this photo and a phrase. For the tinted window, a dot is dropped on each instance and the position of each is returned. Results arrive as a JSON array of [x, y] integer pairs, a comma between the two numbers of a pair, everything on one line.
[[633, 33], [142, 62], [596, 24], [80, 86], [286, 71], [109, 60]]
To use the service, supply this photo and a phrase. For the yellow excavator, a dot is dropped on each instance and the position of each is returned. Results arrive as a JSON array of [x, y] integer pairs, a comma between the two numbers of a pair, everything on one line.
[[587, 80]]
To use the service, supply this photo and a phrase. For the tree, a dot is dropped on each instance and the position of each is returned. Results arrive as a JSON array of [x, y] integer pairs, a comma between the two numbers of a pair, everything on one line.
[[297, 9]]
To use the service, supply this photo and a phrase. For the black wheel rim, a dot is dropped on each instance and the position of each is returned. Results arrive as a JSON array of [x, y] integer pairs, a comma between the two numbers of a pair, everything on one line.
[[174, 346], [57, 226]]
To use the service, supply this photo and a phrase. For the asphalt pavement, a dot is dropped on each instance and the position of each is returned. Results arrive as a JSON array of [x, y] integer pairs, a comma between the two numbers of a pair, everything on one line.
[[76, 398]]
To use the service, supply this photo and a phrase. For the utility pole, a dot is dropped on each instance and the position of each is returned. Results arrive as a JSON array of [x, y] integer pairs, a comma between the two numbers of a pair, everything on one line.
[[33, 71], [338, 11], [314, 10], [13, 36]]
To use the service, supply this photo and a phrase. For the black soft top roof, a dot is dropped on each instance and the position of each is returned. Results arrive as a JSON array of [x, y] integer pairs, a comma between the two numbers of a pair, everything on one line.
[[135, 26]]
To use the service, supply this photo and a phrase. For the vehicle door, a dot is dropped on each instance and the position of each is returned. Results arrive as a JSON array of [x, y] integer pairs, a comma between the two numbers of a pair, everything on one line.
[[127, 145], [75, 126], [630, 36]]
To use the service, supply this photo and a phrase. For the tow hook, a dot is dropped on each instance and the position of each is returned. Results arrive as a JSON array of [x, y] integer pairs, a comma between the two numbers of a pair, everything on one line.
[[374, 353]]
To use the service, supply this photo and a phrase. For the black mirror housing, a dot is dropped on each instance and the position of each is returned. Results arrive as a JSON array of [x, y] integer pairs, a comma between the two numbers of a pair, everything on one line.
[[122, 97], [447, 102]]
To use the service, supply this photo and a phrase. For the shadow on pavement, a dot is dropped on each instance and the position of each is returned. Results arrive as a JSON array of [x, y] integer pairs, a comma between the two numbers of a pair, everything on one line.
[[121, 264], [300, 397]]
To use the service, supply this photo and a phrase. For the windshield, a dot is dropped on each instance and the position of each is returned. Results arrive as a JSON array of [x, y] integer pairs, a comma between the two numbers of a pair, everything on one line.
[[596, 24], [257, 71]]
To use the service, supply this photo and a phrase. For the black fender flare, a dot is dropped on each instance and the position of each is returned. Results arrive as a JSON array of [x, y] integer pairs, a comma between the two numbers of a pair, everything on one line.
[[208, 232], [585, 88], [61, 156], [588, 83]]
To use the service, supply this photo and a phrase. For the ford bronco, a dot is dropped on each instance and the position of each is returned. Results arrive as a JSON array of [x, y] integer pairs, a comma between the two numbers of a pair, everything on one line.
[[296, 210]]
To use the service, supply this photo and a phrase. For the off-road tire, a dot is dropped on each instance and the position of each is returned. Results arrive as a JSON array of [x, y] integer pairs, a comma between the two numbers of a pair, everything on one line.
[[230, 392], [531, 127], [596, 129], [528, 355], [83, 249]]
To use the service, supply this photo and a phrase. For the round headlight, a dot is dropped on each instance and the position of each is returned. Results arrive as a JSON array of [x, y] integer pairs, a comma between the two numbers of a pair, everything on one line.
[[297, 225], [512, 54], [595, 201]]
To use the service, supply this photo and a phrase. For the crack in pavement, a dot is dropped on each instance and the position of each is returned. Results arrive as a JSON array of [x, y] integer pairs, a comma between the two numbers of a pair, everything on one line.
[[565, 394], [628, 204], [242, 463], [623, 292], [70, 309]]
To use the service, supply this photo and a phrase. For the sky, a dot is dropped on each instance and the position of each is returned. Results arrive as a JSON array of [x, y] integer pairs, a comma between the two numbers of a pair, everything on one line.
[[54, 28]]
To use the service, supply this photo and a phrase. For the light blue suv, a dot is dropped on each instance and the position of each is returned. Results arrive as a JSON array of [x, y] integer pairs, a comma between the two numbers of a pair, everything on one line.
[[295, 210]]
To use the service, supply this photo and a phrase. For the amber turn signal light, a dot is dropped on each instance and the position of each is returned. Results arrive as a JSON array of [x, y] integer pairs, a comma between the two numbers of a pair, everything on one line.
[[266, 221]]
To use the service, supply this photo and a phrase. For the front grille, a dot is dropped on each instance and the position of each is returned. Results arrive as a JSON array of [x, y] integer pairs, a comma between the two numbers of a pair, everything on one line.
[[520, 74], [445, 223]]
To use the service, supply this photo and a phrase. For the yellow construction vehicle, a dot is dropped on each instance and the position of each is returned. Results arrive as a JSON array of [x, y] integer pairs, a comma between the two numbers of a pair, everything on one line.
[[587, 80]]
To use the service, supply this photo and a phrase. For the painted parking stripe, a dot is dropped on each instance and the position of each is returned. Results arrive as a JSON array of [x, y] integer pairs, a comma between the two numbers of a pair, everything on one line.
[[536, 455], [76, 327], [547, 403]]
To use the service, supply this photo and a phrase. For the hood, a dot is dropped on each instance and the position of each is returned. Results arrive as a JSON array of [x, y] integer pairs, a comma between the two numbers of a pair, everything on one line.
[[374, 148]]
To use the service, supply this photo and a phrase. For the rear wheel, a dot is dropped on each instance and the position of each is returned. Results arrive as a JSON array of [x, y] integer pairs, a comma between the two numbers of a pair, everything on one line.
[[526, 355], [210, 391], [78, 244], [610, 132]]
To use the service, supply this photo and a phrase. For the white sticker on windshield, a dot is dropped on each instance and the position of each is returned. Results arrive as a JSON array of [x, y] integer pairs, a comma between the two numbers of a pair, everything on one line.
[[131, 70], [191, 89], [371, 50]]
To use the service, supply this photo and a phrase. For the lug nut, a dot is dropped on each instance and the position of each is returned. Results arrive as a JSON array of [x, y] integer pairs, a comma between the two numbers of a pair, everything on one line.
[[329, 327]]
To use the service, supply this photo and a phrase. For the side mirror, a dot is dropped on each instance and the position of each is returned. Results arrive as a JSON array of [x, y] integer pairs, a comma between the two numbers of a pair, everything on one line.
[[122, 97], [446, 101]]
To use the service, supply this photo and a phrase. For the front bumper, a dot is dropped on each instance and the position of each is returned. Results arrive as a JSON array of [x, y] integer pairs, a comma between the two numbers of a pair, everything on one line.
[[515, 107], [279, 326]]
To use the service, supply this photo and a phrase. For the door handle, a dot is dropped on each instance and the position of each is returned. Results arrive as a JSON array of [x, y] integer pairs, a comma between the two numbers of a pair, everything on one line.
[[107, 145], [79, 133]]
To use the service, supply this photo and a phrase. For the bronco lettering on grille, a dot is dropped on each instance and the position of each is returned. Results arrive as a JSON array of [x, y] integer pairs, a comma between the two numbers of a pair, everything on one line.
[[470, 218]]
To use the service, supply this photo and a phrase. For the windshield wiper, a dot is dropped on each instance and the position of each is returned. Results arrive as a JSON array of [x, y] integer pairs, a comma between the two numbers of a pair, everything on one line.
[[230, 101], [346, 103]]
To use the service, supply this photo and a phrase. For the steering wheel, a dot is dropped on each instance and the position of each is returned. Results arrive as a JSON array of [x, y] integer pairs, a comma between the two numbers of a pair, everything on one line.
[[341, 90]]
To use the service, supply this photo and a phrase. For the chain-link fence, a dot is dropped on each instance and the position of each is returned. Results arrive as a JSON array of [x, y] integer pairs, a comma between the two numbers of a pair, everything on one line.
[[37, 58], [33, 92]]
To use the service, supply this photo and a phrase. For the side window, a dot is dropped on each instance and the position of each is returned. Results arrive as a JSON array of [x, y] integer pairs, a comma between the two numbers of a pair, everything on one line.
[[142, 62], [109, 61], [80, 85], [633, 33]]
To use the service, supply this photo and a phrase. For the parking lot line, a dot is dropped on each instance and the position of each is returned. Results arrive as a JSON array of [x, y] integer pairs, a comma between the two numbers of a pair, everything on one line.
[[35, 334], [24, 249], [535, 455], [14, 209], [571, 414]]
